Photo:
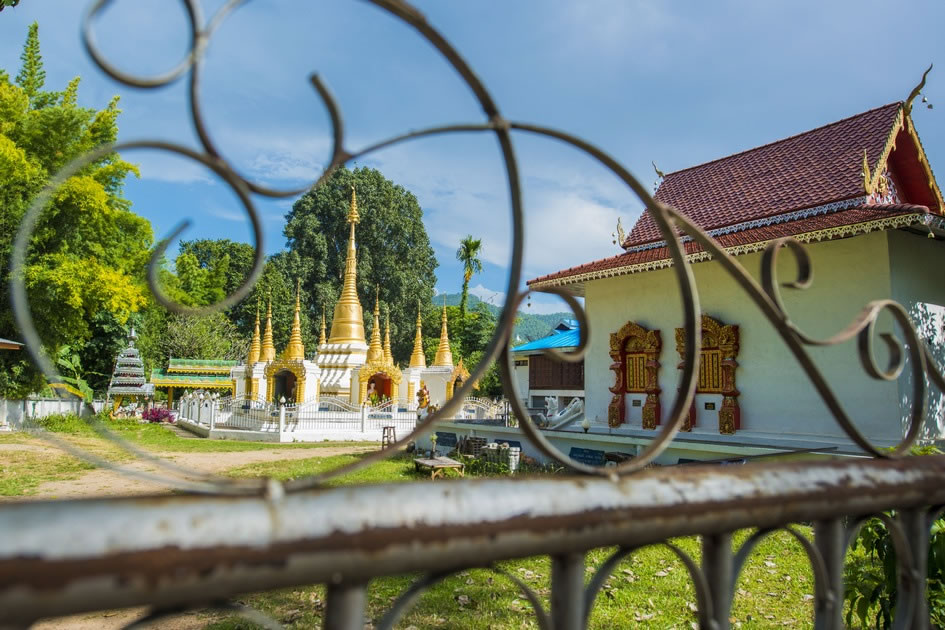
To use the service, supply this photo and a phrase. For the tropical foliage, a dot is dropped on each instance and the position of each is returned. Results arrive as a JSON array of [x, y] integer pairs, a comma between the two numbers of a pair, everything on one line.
[[87, 254], [468, 254]]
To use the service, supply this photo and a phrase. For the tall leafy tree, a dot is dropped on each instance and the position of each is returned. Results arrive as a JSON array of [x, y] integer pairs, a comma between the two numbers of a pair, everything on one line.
[[88, 252], [468, 254], [393, 251], [31, 76]]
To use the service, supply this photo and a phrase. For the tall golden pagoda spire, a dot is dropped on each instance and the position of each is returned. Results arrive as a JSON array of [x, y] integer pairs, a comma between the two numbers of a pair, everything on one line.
[[417, 358], [347, 326], [321, 337], [254, 345], [444, 357], [388, 357], [268, 352], [295, 351], [375, 353]]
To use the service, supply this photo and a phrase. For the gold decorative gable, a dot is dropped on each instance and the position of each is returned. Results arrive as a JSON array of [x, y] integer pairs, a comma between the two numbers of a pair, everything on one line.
[[720, 344], [634, 345]]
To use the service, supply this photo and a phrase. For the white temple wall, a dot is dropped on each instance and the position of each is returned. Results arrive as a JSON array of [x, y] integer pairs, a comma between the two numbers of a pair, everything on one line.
[[521, 377], [436, 380], [338, 364], [917, 284], [777, 398]]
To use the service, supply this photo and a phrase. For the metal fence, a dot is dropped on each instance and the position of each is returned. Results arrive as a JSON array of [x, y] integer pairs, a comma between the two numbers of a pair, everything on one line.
[[219, 537]]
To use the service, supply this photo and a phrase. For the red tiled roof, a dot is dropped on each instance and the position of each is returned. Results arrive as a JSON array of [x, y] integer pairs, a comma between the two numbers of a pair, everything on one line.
[[851, 216], [808, 170]]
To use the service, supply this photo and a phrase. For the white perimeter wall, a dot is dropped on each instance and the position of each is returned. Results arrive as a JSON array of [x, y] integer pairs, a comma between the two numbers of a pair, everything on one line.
[[777, 398]]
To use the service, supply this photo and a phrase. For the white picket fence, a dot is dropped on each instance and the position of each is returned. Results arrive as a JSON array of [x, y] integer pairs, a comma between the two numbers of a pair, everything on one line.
[[326, 419], [13, 413]]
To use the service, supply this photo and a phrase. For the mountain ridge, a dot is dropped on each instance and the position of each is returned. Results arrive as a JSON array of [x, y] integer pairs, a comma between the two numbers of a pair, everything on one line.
[[528, 327]]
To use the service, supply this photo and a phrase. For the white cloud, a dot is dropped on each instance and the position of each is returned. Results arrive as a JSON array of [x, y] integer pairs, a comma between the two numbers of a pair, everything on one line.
[[166, 167], [488, 295], [227, 215]]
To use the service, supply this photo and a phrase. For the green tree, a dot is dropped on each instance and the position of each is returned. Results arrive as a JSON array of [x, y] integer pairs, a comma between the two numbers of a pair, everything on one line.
[[394, 252], [8, 3], [468, 254], [210, 336], [88, 252], [31, 76], [466, 343]]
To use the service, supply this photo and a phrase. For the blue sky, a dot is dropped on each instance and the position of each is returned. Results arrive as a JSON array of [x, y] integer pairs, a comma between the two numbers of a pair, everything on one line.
[[678, 83]]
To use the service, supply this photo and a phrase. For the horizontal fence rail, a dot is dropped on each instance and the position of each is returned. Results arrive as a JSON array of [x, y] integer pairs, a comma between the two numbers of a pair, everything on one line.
[[174, 551]]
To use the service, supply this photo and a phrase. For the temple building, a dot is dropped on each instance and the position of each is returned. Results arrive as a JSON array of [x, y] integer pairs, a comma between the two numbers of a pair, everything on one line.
[[345, 365], [539, 377], [860, 195], [184, 375]]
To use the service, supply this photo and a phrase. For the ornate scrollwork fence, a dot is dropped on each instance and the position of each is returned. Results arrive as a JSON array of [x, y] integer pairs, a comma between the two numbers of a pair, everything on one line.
[[221, 536]]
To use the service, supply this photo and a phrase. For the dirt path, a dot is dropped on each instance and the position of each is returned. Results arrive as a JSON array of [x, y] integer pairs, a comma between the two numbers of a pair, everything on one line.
[[110, 483], [101, 482]]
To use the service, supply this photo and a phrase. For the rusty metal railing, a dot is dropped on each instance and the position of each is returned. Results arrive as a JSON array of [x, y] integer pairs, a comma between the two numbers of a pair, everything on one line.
[[227, 536]]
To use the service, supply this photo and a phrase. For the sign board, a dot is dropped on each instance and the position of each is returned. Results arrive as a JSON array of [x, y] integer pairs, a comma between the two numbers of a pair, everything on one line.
[[587, 456], [445, 439]]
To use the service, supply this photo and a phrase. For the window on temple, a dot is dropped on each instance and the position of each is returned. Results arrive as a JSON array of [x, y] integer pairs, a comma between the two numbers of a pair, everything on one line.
[[636, 376], [710, 371], [546, 373]]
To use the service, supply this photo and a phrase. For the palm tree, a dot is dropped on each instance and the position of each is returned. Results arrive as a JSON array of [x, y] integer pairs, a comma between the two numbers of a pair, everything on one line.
[[468, 254]]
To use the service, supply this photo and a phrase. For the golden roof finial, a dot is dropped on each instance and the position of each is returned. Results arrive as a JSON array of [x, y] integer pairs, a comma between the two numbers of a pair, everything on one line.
[[347, 326], [375, 353], [295, 351], [353, 216], [916, 91], [254, 345], [388, 356], [867, 176], [444, 357], [268, 352], [321, 338], [417, 358]]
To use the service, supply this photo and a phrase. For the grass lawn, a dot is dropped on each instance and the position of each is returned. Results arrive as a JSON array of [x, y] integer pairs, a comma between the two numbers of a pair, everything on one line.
[[651, 588], [21, 472]]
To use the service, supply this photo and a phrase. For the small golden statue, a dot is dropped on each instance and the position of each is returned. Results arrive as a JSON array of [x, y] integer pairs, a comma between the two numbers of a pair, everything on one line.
[[423, 396]]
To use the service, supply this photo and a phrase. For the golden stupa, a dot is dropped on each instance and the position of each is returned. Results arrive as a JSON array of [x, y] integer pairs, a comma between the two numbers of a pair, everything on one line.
[[347, 326]]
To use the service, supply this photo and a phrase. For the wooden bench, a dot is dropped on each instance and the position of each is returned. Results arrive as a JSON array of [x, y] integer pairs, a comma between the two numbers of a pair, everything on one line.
[[439, 465]]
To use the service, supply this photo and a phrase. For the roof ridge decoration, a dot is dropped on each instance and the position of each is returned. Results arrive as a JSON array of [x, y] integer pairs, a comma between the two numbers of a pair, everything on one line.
[[916, 91], [872, 176], [775, 219], [910, 129], [841, 231]]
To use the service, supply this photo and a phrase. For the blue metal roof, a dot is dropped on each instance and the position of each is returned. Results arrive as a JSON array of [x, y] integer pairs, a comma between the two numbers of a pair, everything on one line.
[[557, 339]]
